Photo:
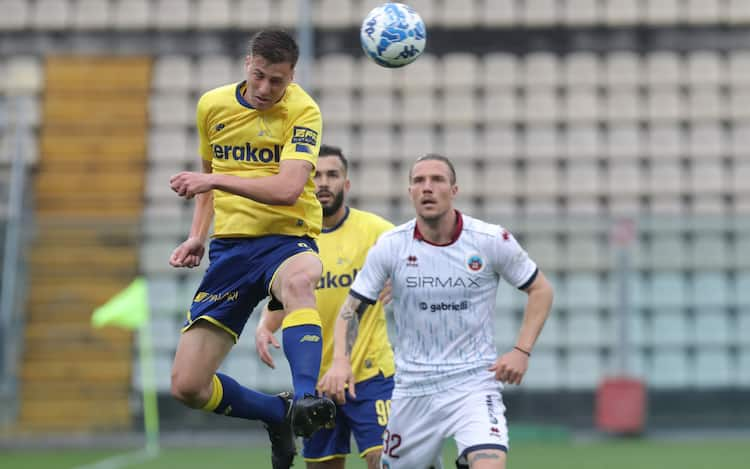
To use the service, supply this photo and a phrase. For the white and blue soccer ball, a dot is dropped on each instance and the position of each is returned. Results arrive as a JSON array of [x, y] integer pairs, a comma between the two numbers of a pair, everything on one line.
[[393, 35]]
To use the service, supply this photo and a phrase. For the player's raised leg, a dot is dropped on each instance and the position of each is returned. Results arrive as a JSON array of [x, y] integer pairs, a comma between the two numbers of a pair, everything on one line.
[[294, 285]]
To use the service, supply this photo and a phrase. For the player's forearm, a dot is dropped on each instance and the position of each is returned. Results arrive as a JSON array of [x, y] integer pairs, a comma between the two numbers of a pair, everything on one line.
[[270, 190], [271, 320], [346, 329], [203, 213], [537, 310]]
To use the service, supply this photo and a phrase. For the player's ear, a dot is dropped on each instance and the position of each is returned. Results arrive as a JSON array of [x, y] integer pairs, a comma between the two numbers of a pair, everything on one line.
[[454, 189], [347, 186]]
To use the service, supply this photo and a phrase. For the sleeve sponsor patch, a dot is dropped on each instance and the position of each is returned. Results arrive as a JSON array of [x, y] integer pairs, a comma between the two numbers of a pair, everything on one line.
[[302, 149], [304, 135]]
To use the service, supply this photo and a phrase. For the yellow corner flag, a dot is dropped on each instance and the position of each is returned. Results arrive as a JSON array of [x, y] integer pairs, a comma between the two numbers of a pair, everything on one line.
[[127, 309]]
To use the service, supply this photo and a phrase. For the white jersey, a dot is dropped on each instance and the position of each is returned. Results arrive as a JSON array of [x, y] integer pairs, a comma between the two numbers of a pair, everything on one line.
[[443, 299]]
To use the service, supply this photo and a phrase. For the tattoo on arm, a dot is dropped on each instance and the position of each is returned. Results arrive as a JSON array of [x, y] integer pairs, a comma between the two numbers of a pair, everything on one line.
[[352, 312]]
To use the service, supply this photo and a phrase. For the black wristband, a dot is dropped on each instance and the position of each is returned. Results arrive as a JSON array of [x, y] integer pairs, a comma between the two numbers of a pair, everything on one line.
[[528, 354]]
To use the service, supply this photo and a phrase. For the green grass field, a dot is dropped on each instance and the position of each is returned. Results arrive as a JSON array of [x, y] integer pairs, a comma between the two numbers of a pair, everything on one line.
[[626, 454]]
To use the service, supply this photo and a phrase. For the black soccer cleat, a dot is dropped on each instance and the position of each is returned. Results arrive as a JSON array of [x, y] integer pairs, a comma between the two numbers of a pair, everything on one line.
[[283, 446], [312, 413]]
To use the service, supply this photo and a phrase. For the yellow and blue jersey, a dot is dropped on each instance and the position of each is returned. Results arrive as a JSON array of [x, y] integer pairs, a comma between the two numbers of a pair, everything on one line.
[[242, 141], [343, 250]]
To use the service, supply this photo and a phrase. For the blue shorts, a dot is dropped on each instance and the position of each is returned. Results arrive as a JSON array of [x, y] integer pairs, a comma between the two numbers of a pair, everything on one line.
[[364, 417], [239, 276]]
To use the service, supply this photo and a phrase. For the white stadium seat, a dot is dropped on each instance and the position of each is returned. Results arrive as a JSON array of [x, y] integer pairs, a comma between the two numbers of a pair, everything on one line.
[[738, 66], [171, 109], [92, 14], [669, 368], [665, 140], [379, 107], [499, 13], [421, 75], [334, 13], [377, 142], [23, 74], [713, 368], [15, 15], [703, 11], [583, 141], [541, 69], [581, 12], [710, 290], [335, 72], [213, 14], [501, 70], [458, 107], [622, 12], [51, 14], [707, 141], [541, 142], [662, 12], [460, 70], [624, 141], [216, 70], [664, 69], [338, 107], [540, 106], [499, 106], [539, 12], [623, 105], [623, 69], [458, 14], [252, 14], [419, 108], [706, 104], [665, 105], [173, 73], [581, 105], [705, 68], [584, 370], [173, 14], [582, 69], [133, 14], [461, 142]]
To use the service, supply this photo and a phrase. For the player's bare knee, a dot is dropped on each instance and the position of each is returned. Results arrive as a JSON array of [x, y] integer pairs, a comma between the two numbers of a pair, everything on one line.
[[187, 390], [298, 287]]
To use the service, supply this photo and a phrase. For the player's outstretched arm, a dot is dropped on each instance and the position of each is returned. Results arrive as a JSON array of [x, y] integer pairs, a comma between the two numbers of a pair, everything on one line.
[[345, 332], [270, 322], [511, 367]]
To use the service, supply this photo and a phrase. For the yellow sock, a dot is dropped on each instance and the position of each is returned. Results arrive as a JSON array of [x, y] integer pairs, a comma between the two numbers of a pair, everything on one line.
[[217, 393], [300, 317]]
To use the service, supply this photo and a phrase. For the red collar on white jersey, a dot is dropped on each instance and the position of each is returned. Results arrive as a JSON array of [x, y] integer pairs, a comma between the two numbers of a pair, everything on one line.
[[454, 237]]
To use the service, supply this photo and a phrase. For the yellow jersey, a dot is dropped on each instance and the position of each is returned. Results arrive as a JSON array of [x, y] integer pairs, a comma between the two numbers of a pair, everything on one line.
[[343, 250], [242, 141]]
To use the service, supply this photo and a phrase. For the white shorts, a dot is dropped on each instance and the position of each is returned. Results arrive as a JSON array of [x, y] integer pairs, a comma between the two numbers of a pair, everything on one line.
[[472, 414]]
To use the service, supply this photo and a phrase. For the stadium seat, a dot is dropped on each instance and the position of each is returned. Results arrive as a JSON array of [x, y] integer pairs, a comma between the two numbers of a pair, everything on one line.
[[540, 106], [623, 141], [458, 14], [173, 73], [418, 140], [588, 328], [742, 378], [664, 69], [51, 14], [583, 141], [213, 14], [173, 14], [624, 105], [163, 296], [582, 69], [168, 146], [157, 183], [467, 176], [665, 105], [624, 178], [545, 372], [583, 290], [216, 70], [501, 70], [154, 256], [337, 107], [667, 290], [713, 327], [342, 137], [23, 110], [133, 14], [162, 372], [373, 77], [741, 258], [335, 72], [461, 143], [419, 108], [738, 141], [460, 70], [376, 181], [15, 16], [666, 177], [420, 76], [581, 105], [499, 13], [664, 140], [706, 104], [540, 142], [738, 12], [584, 369], [622, 12], [499, 141], [287, 13], [713, 368], [622, 69], [662, 12], [740, 175], [705, 69], [738, 65], [739, 104], [252, 14], [582, 178], [742, 326], [536, 13], [498, 180], [377, 142], [165, 219], [24, 74], [544, 249], [638, 327], [378, 107], [175, 109], [499, 106], [333, 14], [707, 177], [541, 178], [92, 15], [428, 10], [580, 12], [707, 142], [458, 108], [710, 289], [554, 331], [669, 369], [541, 70], [703, 11], [584, 253]]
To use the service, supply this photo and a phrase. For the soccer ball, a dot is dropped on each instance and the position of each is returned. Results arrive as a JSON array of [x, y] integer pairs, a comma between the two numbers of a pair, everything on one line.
[[393, 35]]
